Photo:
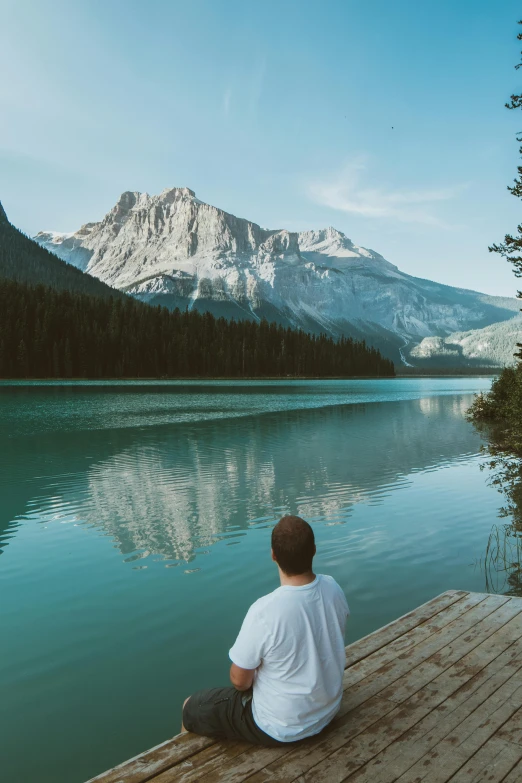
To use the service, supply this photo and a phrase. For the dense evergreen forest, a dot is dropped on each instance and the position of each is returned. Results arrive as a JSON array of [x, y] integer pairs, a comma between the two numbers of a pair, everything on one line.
[[60, 334], [58, 322], [24, 260]]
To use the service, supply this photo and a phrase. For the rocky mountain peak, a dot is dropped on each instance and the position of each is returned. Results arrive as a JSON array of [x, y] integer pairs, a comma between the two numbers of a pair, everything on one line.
[[126, 201], [131, 200], [323, 238], [174, 249], [331, 247], [169, 195]]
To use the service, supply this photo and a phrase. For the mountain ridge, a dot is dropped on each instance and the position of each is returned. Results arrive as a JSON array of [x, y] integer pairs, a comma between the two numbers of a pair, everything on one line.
[[177, 250], [491, 346], [25, 261]]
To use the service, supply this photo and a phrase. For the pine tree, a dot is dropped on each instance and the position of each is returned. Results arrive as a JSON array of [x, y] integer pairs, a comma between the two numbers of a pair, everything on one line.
[[511, 247], [49, 333], [21, 359]]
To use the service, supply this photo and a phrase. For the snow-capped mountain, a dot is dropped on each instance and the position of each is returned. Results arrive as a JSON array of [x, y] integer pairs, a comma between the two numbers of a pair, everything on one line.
[[176, 250]]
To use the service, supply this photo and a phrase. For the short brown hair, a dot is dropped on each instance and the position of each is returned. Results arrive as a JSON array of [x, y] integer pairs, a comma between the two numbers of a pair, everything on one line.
[[293, 544]]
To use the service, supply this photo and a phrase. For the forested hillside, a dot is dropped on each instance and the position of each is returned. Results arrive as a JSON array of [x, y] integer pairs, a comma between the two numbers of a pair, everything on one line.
[[492, 346], [26, 261], [52, 334]]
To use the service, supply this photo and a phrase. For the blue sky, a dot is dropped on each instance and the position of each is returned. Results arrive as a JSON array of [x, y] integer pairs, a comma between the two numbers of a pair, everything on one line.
[[383, 119]]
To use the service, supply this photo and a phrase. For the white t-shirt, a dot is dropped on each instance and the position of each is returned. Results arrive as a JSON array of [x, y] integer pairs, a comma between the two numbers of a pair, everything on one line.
[[294, 637]]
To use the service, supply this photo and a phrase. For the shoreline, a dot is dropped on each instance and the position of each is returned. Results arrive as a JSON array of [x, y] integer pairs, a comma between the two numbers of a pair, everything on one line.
[[192, 378], [209, 378]]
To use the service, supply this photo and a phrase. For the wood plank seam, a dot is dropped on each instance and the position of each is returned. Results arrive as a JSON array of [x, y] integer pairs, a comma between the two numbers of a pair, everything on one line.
[[379, 633], [418, 740], [452, 651], [466, 631], [405, 643], [492, 696], [421, 613], [479, 599], [497, 605], [386, 676]]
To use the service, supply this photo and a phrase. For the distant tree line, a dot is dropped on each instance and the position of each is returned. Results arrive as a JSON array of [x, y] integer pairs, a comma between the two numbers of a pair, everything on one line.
[[46, 333]]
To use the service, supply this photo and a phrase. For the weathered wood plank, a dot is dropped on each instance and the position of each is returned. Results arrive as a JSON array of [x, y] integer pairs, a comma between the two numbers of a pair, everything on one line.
[[446, 757], [459, 646], [449, 610], [437, 766], [435, 696], [237, 766], [144, 766], [383, 733], [310, 752], [397, 628], [463, 627], [410, 639], [413, 756], [511, 731], [449, 711], [491, 763], [515, 776], [358, 722], [198, 766]]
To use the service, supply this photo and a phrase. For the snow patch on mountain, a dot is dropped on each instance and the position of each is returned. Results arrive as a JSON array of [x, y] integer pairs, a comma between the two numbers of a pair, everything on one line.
[[177, 250]]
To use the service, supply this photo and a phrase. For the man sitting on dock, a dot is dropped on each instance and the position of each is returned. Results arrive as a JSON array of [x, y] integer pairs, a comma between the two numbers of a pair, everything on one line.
[[288, 660]]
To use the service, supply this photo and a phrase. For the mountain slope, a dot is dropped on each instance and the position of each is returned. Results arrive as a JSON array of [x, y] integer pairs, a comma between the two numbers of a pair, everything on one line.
[[492, 346], [176, 250], [25, 261]]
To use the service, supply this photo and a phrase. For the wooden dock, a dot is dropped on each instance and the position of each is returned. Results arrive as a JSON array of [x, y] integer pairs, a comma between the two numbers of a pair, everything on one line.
[[435, 696]]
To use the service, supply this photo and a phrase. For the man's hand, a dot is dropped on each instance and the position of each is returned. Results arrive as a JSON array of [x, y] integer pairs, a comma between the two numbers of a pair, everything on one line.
[[241, 679]]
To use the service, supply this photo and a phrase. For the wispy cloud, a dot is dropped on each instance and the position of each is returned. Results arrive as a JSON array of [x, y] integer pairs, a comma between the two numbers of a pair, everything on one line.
[[348, 191], [227, 98]]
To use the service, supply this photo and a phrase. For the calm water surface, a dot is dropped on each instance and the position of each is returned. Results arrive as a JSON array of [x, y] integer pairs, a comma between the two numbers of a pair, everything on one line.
[[135, 523]]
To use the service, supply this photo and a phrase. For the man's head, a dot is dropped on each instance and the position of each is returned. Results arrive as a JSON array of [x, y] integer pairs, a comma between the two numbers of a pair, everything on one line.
[[293, 545]]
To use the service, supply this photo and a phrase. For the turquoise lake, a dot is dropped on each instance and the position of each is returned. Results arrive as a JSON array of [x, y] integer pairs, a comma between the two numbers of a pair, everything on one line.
[[135, 524]]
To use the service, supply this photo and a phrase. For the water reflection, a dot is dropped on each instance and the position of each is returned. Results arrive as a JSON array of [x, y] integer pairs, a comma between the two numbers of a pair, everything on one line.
[[172, 491], [503, 558]]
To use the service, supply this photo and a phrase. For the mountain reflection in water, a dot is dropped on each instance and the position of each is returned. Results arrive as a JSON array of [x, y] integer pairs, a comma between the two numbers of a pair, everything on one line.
[[135, 532], [171, 490], [503, 559]]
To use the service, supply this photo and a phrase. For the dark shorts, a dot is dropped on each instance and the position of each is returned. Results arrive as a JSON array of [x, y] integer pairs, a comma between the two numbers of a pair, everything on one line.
[[225, 713]]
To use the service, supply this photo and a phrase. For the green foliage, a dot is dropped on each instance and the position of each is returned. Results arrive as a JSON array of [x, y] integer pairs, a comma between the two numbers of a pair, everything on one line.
[[503, 560], [511, 247], [47, 334], [501, 410], [499, 415]]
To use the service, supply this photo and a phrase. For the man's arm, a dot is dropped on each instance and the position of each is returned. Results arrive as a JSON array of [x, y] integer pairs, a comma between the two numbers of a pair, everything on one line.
[[246, 654], [241, 679]]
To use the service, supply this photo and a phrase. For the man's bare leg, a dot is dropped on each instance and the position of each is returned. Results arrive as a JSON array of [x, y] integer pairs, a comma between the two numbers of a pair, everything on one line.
[[183, 729]]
